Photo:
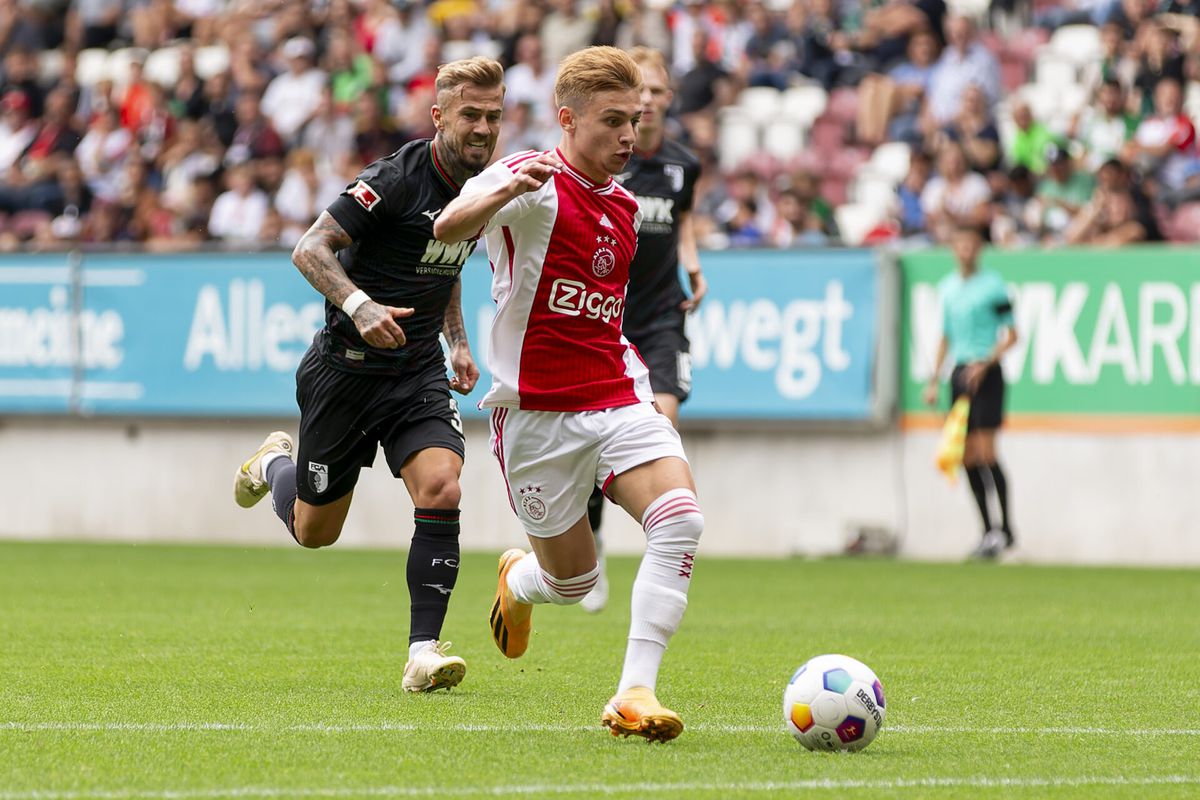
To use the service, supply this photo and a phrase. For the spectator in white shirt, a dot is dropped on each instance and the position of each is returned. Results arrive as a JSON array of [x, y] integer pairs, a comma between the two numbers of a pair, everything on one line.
[[238, 214], [965, 61], [292, 97], [102, 154], [955, 197], [303, 195]]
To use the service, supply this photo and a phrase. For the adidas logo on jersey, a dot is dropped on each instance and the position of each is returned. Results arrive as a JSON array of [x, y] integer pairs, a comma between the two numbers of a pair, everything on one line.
[[604, 222], [572, 299]]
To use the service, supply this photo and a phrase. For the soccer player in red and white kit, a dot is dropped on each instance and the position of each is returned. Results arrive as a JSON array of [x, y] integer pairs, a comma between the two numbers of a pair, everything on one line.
[[571, 400]]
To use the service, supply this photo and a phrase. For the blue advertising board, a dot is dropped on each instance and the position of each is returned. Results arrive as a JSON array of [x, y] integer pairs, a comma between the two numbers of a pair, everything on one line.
[[782, 335]]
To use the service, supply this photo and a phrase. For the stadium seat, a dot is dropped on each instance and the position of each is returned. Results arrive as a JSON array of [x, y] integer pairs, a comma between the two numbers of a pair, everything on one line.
[[845, 162], [50, 65], [874, 190], [1013, 74], [91, 66], [805, 103], [211, 60], [855, 220], [975, 9], [737, 139], [1043, 100], [162, 66], [1191, 101], [783, 138], [1054, 70], [891, 161], [760, 103], [1184, 224], [119, 61], [1079, 43], [843, 105], [827, 135]]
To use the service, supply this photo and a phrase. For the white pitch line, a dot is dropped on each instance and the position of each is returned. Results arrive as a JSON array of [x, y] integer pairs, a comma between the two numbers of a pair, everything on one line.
[[543, 790], [426, 727]]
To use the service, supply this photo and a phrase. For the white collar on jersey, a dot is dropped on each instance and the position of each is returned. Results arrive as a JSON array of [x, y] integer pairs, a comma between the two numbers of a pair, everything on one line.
[[606, 188]]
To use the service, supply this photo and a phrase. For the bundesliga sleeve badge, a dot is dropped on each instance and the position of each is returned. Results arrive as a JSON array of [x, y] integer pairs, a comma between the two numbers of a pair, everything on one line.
[[364, 195]]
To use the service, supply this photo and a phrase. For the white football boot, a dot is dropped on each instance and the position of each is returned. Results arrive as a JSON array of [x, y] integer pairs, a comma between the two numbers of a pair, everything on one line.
[[431, 669], [250, 485]]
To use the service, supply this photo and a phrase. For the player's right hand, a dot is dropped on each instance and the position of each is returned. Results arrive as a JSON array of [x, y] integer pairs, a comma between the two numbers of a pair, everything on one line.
[[533, 174], [931, 394], [377, 324]]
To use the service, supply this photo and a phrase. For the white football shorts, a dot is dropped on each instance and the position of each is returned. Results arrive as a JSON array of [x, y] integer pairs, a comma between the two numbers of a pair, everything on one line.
[[551, 459]]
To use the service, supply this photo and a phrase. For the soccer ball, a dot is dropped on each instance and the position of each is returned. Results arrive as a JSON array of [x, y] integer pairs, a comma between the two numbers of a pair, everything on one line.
[[833, 703]]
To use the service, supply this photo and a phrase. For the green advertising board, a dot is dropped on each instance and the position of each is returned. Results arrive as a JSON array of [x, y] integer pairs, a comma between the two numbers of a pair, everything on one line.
[[1102, 334]]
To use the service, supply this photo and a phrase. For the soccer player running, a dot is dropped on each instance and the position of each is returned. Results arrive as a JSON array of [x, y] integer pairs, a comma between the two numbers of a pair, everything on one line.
[[977, 330], [662, 174], [571, 402], [375, 375]]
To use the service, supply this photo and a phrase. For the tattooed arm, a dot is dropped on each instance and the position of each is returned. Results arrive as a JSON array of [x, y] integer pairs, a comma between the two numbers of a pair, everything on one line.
[[466, 373], [316, 258]]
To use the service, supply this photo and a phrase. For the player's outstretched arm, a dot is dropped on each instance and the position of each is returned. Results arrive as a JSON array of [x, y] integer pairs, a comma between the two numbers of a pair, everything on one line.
[[466, 372], [467, 214], [316, 258], [689, 257]]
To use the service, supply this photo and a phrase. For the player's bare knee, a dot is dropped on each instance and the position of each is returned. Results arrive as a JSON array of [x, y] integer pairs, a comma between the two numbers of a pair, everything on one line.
[[440, 490], [314, 536]]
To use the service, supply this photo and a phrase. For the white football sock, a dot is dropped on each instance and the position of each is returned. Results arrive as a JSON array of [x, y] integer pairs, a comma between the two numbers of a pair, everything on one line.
[[267, 459], [673, 525], [529, 583]]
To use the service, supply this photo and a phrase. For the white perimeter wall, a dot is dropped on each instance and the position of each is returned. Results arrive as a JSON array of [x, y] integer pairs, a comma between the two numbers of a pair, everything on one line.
[[1076, 498]]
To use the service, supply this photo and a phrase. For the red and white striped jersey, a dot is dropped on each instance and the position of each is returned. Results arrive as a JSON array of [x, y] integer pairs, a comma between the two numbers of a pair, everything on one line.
[[560, 265]]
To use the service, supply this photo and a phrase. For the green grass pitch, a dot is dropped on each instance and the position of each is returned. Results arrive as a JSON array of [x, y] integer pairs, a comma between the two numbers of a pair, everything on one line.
[[191, 672]]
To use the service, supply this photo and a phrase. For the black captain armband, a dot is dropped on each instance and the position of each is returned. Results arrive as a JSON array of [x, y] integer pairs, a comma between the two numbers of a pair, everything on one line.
[[1005, 307]]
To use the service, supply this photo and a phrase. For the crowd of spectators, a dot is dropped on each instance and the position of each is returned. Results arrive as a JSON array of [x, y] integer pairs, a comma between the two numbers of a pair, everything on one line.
[[238, 121]]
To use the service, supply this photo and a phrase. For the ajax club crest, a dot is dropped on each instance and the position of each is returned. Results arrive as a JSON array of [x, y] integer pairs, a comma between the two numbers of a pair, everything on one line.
[[531, 504], [604, 259]]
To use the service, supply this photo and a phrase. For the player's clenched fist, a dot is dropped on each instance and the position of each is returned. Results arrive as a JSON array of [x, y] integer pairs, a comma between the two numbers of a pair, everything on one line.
[[377, 324], [533, 174]]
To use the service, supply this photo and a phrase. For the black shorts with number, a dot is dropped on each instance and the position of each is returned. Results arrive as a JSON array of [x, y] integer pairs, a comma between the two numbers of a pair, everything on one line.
[[344, 417], [987, 405], [668, 357]]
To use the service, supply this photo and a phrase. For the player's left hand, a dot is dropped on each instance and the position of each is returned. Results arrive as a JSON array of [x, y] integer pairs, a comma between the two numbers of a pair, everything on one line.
[[699, 289], [466, 372], [973, 375]]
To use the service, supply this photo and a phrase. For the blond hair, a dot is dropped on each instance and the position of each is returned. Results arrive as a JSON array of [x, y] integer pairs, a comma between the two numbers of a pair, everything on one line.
[[651, 59], [592, 70], [479, 71]]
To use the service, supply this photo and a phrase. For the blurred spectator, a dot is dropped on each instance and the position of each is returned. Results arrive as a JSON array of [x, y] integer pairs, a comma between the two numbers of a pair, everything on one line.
[[706, 86], [92, 23], [742, 227], [193, 153], [821, 49], [641, 26], [964, 62], [911, 215], [608, 22], [1160, 61], [302, 196], [795, 224], [292, 97], [187, 95], [1103, 128], [135, 100], [1015, 220], [1114, 63], [239, 212], [17, 128], [329, 134], [886, 29], [255, 137], [529, 81], [888, 105], [1061, 193], [374, 134], [564, 30], [102, 153], [1164, 145], [1117, 214], [1030, 141], [955, 196], [974, 129], [20, 74], [399, 40], [350, 72]]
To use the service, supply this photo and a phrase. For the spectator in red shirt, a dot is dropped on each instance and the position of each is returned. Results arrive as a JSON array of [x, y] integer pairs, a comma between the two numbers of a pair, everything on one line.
[[1164, 145]]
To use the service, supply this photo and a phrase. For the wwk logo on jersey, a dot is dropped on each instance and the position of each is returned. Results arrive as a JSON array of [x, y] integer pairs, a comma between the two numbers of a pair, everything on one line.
[[365, 195], [656, 209], [572, 299]]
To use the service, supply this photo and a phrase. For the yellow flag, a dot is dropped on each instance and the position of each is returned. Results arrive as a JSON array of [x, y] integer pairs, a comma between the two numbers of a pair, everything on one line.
[[954, 439]]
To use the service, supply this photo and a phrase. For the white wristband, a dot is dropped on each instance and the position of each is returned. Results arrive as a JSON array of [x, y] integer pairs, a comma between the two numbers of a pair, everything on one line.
[[352, 303]]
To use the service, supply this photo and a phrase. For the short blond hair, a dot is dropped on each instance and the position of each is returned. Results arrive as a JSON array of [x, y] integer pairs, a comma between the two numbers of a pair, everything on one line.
[[651, 59], [479, 71], [592, 70]]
